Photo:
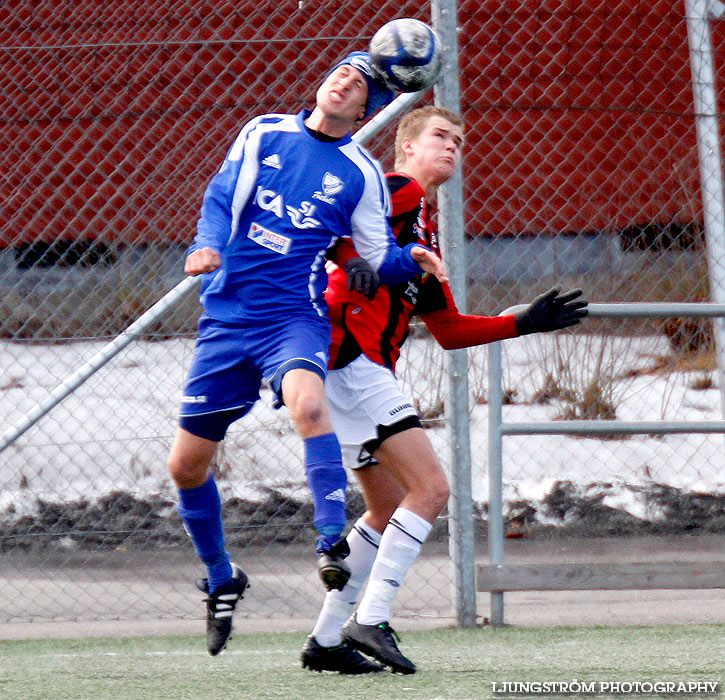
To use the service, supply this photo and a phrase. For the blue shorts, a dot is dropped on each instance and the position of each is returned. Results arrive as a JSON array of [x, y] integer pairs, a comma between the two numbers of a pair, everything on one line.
[[231, 361]]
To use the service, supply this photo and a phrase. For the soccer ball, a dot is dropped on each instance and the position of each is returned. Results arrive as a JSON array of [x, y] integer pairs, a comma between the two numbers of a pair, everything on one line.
[[407, 53]]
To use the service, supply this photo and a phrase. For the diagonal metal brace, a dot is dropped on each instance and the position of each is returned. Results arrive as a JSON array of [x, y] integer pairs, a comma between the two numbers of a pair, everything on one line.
[[715, 9]]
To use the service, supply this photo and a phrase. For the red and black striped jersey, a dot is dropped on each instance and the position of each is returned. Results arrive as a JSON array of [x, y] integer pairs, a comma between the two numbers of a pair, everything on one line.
[[378, 328]]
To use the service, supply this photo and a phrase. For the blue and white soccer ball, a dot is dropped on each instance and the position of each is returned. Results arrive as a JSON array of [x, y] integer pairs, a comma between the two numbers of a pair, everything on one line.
[[407, 53]]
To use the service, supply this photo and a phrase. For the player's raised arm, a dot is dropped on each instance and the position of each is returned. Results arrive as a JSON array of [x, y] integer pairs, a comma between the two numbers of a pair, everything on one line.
[[216, 225]]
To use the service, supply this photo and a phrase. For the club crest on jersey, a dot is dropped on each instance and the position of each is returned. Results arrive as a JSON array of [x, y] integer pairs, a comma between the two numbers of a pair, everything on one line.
[[269, 239], [331, 185]]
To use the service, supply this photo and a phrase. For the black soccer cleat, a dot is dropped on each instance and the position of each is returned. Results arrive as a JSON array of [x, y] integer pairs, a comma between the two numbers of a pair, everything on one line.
[[220, 609], [340, 658], [333, 570], [377, 641]]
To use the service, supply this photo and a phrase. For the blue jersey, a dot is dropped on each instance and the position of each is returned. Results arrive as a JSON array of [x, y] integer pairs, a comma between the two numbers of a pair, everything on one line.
[[281, 198]]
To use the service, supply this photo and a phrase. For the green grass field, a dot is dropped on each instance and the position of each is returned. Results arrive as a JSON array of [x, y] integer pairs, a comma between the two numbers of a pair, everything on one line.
[[452, 665]]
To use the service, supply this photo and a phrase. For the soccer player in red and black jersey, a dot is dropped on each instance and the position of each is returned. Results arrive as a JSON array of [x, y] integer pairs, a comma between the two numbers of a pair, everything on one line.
[[379, 430]]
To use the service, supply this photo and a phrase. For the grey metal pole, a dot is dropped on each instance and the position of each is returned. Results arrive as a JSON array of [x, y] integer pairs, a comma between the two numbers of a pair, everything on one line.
[[450, 218], [495, 473], [497, 428], [699, 13], [375, 125], [169, 300]]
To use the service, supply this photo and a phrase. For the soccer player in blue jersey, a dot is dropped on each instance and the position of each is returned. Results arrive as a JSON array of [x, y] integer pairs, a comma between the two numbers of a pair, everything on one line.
[[289, 187]]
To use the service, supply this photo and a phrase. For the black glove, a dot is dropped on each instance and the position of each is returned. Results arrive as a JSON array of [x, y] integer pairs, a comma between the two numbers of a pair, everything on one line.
[[361, 277], [551, 311]]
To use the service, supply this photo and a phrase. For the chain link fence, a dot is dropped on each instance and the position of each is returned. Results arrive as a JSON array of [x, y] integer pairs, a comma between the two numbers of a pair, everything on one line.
[[580, 169], [585, 173]]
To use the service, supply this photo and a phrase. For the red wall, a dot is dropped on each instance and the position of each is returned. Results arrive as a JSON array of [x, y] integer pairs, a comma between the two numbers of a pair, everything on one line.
[[582, 115], [113, 119]]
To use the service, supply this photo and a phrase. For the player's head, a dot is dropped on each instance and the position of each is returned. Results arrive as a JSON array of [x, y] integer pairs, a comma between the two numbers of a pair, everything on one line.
[[428, 144], [377, 94]]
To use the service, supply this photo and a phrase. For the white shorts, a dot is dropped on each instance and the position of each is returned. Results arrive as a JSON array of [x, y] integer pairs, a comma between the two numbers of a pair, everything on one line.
[[361, 397]]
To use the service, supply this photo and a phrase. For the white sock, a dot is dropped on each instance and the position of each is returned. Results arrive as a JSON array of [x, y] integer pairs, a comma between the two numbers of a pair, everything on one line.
[[338, 605], [399, 546]]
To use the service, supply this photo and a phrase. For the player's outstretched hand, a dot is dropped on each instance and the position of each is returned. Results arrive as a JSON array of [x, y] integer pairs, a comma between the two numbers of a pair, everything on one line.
[[551, 311], [201, 261], [361, 277], [429, 262]]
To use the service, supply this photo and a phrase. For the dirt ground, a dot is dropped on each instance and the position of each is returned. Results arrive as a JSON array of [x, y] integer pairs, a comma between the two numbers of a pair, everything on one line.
[[524, 609]]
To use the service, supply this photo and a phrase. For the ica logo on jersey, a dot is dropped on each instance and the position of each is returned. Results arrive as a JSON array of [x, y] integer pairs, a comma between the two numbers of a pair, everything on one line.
[[301, 217]]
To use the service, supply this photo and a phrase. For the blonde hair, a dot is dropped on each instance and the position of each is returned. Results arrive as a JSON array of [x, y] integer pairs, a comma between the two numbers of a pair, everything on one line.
[[413, 123]]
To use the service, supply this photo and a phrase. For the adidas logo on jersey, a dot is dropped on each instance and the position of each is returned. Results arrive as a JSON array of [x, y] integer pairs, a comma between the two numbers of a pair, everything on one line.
[[273, 161], [336, 495]]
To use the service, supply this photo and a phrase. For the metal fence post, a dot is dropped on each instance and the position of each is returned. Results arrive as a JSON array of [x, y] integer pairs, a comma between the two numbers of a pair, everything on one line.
[[495, 474], [450, 216], [497, 427], [699, 13]]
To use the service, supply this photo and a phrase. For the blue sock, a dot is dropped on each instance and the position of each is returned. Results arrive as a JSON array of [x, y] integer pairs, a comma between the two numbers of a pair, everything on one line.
[[201, 511], [327, 480]]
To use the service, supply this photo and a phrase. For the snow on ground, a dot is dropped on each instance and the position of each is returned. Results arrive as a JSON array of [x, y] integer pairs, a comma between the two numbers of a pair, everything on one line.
[[113, 433]]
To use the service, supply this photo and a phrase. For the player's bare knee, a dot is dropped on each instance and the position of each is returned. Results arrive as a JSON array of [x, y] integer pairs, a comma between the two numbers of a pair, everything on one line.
[[186, 474], [177, 472], [430, 493], [308, 414]]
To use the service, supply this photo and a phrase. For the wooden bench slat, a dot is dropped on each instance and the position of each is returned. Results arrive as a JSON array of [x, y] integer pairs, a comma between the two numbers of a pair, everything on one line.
[[605, 576]]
